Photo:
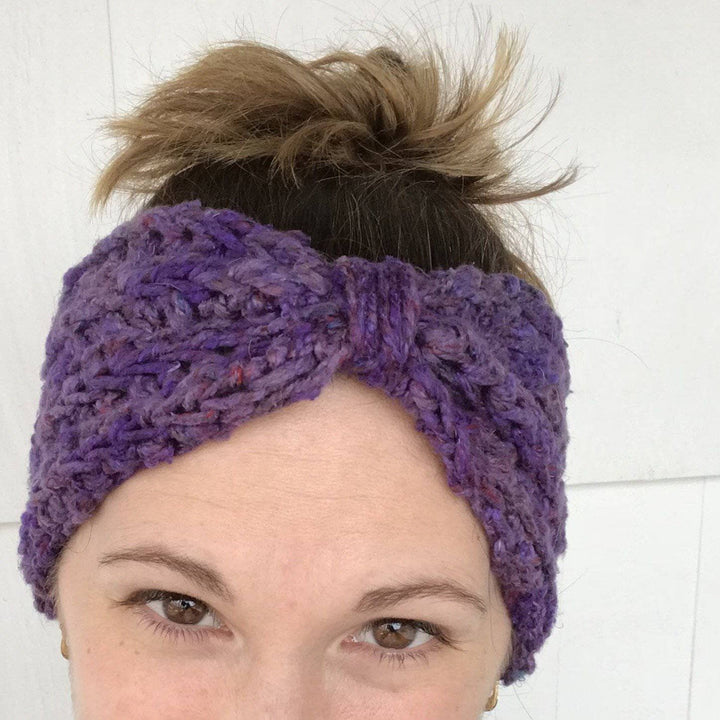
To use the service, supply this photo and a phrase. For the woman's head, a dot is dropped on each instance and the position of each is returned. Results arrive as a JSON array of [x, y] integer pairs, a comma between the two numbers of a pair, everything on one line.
[[303, 513], [196, 342]]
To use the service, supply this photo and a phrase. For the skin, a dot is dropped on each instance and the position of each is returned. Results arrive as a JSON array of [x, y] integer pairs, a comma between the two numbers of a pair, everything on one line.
[[302, 511]]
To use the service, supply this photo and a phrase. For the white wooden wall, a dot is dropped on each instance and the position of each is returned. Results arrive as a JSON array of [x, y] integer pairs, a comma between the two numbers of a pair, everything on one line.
[[631, 252]]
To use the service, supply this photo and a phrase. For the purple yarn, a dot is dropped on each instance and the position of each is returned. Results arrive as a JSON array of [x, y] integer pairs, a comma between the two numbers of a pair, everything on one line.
[[185, 322]]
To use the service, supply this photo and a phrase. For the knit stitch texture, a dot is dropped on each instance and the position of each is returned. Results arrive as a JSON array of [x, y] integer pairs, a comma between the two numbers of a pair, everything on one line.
[[187, 321]]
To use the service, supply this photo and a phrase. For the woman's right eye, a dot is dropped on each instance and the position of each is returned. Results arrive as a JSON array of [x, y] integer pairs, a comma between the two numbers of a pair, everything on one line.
[[174, 614], [181, 609]]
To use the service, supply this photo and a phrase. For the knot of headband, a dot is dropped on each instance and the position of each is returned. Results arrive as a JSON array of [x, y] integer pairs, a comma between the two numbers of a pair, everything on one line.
[[184, 322]]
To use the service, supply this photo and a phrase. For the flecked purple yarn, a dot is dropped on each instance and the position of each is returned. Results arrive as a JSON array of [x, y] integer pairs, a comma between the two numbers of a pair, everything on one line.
[[184, 322]]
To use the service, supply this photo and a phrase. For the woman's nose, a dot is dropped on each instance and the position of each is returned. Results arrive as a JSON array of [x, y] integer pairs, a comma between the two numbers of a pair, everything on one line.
[[281, 687]]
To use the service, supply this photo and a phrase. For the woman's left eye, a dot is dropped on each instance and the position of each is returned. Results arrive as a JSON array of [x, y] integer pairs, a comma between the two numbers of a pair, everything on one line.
[[395, 633]]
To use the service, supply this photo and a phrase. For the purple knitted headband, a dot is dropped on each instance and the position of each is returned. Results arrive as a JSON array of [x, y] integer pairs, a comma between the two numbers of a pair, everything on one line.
[[185, 322]]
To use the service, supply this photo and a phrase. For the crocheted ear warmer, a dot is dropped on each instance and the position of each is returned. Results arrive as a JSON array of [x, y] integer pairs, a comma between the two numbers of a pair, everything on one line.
[[184, 322]]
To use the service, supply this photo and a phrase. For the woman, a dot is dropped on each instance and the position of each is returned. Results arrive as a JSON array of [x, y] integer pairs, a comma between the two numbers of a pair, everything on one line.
[[300, 444]]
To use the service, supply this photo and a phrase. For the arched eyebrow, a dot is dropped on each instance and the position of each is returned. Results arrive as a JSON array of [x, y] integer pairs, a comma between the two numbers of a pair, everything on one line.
[[207, 577], [443, 588], [201, 573]]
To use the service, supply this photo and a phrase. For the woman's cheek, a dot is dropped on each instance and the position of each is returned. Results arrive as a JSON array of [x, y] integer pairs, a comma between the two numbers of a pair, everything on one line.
[[450, 699], [117, 683]]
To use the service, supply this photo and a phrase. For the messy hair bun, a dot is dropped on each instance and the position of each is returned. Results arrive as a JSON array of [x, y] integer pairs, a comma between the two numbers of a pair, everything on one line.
[[367, 153]]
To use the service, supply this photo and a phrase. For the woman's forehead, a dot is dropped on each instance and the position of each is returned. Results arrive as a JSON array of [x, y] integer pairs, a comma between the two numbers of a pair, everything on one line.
[[297, 502], [350, 453], [372, 483]]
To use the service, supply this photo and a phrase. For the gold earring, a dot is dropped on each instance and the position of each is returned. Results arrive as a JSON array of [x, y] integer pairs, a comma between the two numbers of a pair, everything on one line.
[[492, 702], [64, 648]]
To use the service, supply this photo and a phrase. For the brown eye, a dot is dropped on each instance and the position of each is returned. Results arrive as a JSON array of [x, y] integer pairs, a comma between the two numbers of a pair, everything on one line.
[[176, 615], [394, 634], [183, 610]]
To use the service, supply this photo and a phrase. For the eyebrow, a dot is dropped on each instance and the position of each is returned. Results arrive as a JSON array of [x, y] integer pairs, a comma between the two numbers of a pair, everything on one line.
[[211, 580]]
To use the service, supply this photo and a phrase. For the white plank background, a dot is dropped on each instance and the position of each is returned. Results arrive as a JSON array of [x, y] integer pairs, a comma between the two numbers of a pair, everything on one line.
[[630, 252]]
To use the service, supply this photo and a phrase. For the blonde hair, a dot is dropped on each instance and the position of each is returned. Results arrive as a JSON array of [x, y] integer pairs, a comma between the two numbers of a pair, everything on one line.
[[369, 153]]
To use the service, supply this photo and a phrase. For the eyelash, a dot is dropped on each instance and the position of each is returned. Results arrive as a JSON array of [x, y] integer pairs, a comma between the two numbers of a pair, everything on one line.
[[177, 632]]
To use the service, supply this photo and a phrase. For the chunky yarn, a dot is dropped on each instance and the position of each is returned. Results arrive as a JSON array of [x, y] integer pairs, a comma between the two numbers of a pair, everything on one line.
[[186, 321]]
